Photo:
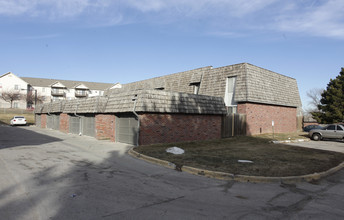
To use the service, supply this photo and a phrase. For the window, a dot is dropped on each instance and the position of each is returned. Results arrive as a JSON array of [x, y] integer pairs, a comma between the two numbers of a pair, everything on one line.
[[339, 128], [15, 105], [16, 87], [43, 89], [230, 92], [331, 127], [55, 98], [81, 92]]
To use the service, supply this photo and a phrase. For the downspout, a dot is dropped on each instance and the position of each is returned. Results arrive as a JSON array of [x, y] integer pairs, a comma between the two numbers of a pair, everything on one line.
[[49, 110], [80, 127], [138, 119]]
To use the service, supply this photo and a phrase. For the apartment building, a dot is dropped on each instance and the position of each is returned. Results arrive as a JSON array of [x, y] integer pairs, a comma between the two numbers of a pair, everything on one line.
[[28, 91]]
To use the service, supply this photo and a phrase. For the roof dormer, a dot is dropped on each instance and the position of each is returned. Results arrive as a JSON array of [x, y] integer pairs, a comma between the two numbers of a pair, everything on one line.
[[81, 87], [57, 85]]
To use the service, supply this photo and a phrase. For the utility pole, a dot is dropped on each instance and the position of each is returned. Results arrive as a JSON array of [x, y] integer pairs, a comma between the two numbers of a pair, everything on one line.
[[35, 97]]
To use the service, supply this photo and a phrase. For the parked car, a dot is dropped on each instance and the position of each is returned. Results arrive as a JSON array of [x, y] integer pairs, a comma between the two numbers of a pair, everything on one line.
[[18, 120], [330, 132], [311, 127]]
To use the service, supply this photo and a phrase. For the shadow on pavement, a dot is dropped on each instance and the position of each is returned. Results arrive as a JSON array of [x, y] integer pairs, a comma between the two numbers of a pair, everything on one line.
[[19, 136], [89, 179]]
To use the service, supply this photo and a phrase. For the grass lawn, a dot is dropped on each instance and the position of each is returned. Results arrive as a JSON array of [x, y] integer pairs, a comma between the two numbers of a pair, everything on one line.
[[5, 118], [275, 160]]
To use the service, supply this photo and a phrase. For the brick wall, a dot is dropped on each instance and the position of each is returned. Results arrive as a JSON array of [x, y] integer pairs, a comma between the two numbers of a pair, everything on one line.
[[43, 121], [64, 123], [259, 118], [168, 128], [105, 126]]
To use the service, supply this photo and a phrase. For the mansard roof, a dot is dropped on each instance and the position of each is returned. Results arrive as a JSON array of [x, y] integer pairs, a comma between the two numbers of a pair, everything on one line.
[[253, 84]]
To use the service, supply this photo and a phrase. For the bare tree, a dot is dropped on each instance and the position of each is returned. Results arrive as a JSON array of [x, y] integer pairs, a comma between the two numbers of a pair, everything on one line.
[[315, 96], [33, 98], [11, 96]]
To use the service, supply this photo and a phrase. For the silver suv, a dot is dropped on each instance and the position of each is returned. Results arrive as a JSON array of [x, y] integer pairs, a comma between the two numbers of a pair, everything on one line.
[[330, 131]]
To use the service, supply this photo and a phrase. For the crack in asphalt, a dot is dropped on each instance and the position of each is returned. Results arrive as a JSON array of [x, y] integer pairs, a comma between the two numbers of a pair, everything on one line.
[[289, 211], [144, 206]]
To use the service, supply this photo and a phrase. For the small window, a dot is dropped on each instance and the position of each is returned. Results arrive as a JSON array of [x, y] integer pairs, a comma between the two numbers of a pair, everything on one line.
[[43, 89], [15, 105], [160, 88], [339, 128], [331, 127], [16, 87]]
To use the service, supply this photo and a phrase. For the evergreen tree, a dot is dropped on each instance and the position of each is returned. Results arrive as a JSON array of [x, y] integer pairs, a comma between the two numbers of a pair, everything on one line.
[[331, 109]]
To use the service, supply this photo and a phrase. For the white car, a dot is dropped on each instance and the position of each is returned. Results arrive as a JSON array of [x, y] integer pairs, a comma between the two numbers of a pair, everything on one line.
[[18, 120]]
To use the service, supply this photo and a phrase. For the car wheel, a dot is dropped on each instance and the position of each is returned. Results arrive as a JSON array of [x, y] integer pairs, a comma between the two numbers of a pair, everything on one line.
[[316, 137]]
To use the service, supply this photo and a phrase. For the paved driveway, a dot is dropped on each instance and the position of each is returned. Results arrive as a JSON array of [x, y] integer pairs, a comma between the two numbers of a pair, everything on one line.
[[49, 175], [331, 145]]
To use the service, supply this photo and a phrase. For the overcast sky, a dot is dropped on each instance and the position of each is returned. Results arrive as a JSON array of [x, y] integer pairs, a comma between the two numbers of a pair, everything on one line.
[[129, 40]]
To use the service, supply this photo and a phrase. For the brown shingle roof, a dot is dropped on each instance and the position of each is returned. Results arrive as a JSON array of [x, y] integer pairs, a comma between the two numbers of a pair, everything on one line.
[[68, 83], [164, 102], [253, 84], [154, 101]]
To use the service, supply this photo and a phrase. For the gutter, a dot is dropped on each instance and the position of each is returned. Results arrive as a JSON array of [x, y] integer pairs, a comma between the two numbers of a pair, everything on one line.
[[138, 119]]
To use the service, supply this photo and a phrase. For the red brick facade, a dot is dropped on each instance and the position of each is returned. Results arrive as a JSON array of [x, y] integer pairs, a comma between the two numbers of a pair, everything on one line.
[[43, 121], [64, 123], [259, 118], [105, 126], [168, 128]]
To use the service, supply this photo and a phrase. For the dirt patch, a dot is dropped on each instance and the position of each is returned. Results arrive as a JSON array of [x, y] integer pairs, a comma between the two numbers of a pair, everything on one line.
[[275, 160]]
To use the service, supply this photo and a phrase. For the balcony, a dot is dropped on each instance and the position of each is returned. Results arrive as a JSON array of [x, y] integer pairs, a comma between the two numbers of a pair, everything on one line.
[[57, 93], [81, 94]]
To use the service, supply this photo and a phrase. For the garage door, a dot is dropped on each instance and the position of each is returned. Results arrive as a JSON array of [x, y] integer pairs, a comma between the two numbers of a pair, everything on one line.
[[56, 122], [88, 126], [74, 124], [38, 121], [50, 121], [126, 129]]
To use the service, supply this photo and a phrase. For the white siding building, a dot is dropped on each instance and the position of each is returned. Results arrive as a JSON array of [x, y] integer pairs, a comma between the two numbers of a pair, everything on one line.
[[48, 90], [10, 83]]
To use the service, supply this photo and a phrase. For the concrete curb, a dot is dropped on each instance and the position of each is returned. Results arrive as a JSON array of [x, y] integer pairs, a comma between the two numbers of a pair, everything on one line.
[[239, 178]]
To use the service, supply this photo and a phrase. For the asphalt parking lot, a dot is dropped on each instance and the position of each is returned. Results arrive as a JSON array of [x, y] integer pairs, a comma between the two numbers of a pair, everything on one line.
[[46, 174], [331, 145]]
